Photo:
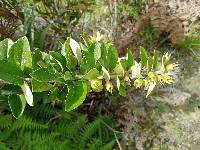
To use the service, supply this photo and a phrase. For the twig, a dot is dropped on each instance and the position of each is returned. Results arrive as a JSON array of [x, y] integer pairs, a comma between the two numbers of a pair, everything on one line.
[[54, 118], [115, 18], [114, 132], [117, 141]]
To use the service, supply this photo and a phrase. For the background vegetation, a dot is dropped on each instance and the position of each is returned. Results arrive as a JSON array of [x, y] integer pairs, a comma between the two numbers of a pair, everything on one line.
[[75, 74]]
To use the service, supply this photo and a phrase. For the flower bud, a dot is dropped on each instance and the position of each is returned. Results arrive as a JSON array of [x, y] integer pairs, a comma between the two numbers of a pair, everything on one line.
[[96, 85]]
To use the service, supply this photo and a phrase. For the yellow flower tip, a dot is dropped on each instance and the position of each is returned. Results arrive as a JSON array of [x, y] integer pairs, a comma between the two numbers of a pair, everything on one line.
[[109, 86], [97, 85], [138, 83], [96, 38], [119, 70]]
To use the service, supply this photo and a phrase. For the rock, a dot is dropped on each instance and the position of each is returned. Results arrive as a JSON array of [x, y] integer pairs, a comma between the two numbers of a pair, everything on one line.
[[170, 16], [175, 98], [192, 84]]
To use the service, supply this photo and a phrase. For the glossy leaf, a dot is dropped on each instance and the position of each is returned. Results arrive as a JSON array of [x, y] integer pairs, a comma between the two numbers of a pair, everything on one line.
[[150, 63], [85, 39], [87, 62], [121, 87], [45, 75], [16, 50], [11, 73], [106, 74], [119, 70], [136, 71], [92, 74], [61, 60], [10, 89], [150, 88], [155, 59], [71, 60], [26, 59], [128, 62], [27, 93], [17, 104], [4, 48], [26, 54], [97, 51], [143, 57], [68, 76], [109, 56], [75, 47], [38, 86], [76, 95]]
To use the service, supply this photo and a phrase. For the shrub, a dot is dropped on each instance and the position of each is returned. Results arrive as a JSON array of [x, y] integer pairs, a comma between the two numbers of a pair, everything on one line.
[[71, 74]]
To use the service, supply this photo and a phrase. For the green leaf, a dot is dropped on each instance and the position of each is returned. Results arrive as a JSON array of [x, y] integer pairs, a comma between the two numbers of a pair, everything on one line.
[[26, 54], [85, 39], [136, 71], [36, 57], [97, 51], [106, 74], [119, 69], [26, 59], [4, 48], [70, 58], [143, 57], [46, 58], [130, 59], [27, 93], [45, 75], [75, 47], [68, 76], [155, 59], [150, 88], [76, 95], [87, 62], [16, 51], [10, 89], [43, 64], [121, 87], [109, 56], [92, 74], [128, 62], [150, 63], [38, 86], [17, 104], [11, 73], [61, 60]]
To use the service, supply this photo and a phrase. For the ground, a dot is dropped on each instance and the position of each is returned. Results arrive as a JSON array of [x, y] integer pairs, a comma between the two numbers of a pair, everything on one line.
[[170, 118]]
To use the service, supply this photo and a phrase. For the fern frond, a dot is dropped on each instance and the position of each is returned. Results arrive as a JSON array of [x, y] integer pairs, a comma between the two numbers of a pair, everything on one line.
[[71, 128], [61, 145], [95, 144], [67, 132], [3, 146], [191, 42], [108, 146], [44, 111], [44, 137], [88, 132], [5, 121], [27, 123]]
